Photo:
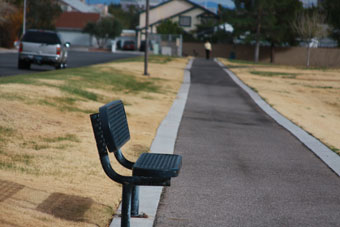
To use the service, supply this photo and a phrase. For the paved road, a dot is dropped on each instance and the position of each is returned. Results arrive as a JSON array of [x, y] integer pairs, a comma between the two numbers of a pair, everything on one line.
[[8, 61], [240, 168]]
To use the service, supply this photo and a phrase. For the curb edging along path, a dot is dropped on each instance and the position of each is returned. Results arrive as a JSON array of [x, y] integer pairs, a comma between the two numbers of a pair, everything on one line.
[[164, 142], [331, 159]]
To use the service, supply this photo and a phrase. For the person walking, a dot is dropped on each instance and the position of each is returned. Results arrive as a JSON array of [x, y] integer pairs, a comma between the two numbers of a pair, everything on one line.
[[207, 47]]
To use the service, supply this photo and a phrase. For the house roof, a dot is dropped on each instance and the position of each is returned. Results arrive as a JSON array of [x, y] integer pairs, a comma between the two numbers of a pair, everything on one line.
[[213, 4], [188, 1], [194, 6], [76, 20], [80, 6]]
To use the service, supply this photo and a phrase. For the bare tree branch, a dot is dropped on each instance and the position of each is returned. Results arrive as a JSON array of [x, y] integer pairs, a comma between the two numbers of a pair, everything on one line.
[[309, 27], [5, 10]]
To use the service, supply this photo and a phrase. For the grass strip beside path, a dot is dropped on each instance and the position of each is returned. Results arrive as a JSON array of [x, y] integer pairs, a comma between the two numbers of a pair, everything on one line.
[[50, 172], [308, 97]]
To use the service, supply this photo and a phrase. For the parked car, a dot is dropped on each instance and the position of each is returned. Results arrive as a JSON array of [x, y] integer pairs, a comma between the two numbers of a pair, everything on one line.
[[43, 48], [129, 45]]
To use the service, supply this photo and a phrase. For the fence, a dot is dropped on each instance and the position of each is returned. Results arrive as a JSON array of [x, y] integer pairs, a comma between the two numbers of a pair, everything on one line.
[[320, 57], [170, 45]]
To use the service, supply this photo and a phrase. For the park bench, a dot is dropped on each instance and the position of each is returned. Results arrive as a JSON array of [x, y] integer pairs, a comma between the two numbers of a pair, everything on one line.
[[111, 132]]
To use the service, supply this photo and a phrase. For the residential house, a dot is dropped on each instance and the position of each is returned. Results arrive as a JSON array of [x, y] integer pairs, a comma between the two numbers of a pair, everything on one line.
[[77, 6], [70, 26], [186, 13], [125, 3], [76, 14]]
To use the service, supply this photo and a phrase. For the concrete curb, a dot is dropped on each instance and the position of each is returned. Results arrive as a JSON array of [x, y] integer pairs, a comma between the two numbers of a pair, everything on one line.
[[164, 142], [7, 51], [331, 159]]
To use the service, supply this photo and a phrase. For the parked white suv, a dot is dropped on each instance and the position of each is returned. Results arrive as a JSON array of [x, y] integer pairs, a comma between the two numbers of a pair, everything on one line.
[[42, 47]]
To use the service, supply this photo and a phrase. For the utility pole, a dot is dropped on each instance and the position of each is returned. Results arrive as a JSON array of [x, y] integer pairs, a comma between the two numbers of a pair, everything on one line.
[[24, 19], [146, 54]]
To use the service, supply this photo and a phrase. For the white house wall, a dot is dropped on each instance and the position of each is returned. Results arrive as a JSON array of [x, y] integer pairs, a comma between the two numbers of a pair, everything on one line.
[[164, 11], [77, 38], [194, 19]]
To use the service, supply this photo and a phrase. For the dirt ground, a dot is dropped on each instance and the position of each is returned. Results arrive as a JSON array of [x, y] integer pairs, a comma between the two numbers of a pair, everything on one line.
[[50, 174], [308, 97]]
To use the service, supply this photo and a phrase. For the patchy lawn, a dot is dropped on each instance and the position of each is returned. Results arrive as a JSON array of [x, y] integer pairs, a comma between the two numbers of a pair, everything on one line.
[[50, 174]]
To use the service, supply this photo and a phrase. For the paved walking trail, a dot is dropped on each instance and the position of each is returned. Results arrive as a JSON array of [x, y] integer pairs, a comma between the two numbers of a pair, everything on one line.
[[240, 168]]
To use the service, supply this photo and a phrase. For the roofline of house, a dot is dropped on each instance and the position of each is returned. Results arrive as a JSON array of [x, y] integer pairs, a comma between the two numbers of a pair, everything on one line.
[[175, 15], [190, 2], [81, 6], [172, 16]]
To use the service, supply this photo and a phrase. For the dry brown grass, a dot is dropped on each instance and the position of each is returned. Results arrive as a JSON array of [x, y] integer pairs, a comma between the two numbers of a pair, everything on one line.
[[308, 97], [50, 174]]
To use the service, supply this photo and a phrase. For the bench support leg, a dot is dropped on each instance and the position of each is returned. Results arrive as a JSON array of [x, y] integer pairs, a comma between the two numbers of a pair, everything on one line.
[[126, 205], [135, 201]]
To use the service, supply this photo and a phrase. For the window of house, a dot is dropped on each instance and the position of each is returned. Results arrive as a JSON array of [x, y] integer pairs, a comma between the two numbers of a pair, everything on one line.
[[185, 21]]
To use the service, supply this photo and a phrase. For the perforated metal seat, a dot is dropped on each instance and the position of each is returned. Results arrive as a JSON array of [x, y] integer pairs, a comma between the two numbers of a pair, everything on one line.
[[157, 165]]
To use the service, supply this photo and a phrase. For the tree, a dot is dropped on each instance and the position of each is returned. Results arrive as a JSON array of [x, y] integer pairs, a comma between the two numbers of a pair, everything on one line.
[[105, 28], [281, 32], [129, 18], [10, 23], [169, 27], [309, 26], [5, 10], [250, 18], [42, 14], [262, 21], [332, 10]]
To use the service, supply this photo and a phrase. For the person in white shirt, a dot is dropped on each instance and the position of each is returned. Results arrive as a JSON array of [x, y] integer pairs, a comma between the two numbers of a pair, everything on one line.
[[207, 47]]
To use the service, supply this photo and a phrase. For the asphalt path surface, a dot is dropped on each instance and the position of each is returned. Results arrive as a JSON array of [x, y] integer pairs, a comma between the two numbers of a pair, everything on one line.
[[240, 168], [9, 61]]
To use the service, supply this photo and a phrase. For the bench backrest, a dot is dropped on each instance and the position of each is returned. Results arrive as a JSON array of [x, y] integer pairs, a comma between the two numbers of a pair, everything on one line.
[[115, 126]]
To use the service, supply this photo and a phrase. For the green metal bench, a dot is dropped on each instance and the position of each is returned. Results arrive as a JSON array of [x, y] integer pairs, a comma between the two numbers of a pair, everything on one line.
[[111, 132]]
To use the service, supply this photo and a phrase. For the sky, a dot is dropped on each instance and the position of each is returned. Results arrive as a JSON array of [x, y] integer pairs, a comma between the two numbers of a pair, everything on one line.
[[106, 2], [309, 3], [214, 3], [207, 3]]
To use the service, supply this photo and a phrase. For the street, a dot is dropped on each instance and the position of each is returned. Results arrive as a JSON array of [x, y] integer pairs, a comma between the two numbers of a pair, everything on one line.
[[8, 61]]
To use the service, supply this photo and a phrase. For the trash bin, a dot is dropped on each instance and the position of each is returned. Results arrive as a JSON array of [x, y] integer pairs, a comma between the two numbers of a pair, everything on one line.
[[232, 55]]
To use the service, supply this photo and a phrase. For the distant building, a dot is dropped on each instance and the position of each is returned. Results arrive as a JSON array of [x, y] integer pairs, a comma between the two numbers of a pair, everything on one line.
[[125, 3], [70, 26], [76, 14], [186, 13], [208, 4], [77, 6]]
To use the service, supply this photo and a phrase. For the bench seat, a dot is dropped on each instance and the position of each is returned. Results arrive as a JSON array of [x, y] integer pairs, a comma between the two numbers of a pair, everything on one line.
[[111, 132], [157, 165]]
